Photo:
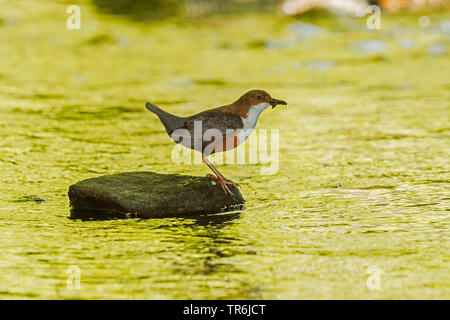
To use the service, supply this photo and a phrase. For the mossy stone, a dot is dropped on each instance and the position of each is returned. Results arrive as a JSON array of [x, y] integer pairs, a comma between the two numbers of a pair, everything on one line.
[[150, 195]]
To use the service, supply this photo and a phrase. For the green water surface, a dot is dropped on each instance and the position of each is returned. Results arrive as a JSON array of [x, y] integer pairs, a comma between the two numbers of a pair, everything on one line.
[[364, 172]]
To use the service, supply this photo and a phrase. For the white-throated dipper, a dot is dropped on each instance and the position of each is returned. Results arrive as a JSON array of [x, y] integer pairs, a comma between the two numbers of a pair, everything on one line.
[[219, 129]]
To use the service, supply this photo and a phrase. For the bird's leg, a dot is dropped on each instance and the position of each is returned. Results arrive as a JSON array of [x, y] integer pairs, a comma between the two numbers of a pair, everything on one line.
[[219, 176], [225, 179], [231, 182]]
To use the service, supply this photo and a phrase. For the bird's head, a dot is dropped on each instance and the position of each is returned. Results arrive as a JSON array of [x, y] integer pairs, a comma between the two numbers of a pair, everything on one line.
[[259, 98]]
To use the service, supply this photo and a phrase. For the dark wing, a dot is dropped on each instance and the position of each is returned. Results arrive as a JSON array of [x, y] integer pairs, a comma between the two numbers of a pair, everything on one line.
[[211, 119]]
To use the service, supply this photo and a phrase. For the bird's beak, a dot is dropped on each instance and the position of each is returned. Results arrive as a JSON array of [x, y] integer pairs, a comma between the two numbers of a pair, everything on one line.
[[275, 102]]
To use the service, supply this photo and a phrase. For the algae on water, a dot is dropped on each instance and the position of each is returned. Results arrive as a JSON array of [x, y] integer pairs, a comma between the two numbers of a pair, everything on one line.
[[373, 122]]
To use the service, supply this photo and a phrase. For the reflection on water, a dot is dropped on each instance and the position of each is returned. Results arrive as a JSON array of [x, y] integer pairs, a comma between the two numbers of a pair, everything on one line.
[[364, 172], [160, 9]]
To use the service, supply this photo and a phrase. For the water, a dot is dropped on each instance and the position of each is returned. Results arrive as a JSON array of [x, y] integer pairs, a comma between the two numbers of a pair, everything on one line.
[[364, 147]]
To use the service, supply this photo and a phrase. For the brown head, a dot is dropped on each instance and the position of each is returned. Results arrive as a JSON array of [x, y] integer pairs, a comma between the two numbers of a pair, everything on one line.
[[253, 99]]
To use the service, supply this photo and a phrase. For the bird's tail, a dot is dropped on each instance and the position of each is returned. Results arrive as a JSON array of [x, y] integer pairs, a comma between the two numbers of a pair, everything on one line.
[[152, 108], [170, 121]]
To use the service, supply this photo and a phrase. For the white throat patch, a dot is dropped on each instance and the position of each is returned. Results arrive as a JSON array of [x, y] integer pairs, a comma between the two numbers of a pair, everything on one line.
[[252, 119]]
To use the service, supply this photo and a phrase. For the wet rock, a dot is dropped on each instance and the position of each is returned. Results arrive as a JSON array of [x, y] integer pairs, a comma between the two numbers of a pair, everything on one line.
[[150, 195]]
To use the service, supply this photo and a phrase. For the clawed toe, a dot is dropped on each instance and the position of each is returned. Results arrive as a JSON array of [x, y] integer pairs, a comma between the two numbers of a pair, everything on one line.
[[227, 181], [225, 188], [232, 182], [223, 183]]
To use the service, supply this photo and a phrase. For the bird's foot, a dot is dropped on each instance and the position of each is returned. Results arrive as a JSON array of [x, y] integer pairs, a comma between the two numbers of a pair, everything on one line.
[[223, 183], [226, 180], [232, 182]]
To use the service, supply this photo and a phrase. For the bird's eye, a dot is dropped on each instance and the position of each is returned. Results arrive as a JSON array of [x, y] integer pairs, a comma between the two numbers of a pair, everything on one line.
[[259, 97]]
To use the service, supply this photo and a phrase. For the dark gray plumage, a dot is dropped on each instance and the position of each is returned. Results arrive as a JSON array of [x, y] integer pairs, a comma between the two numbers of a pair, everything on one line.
[[210, 119], [170, 121]]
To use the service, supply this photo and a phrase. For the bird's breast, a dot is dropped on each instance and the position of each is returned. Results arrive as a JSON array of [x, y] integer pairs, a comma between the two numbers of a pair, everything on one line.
[[249, 122]]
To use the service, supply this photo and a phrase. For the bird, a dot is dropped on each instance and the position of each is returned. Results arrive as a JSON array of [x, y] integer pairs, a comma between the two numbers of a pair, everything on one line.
[[229, 125]]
